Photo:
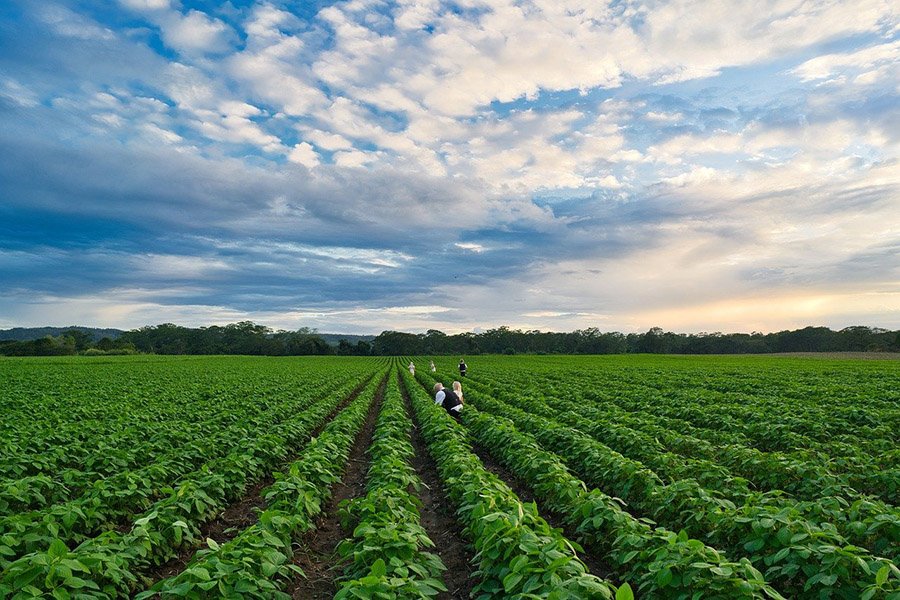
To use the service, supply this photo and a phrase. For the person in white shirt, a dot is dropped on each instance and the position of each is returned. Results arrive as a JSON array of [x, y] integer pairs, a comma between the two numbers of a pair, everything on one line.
[[412, 368], [433, 368], [448, 399]]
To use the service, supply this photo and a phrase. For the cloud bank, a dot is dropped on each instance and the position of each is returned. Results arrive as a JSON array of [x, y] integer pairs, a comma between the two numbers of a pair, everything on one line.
[[366, 165]]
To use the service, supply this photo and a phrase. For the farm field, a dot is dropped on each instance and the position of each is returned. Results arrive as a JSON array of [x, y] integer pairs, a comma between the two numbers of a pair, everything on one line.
[[338, 477]]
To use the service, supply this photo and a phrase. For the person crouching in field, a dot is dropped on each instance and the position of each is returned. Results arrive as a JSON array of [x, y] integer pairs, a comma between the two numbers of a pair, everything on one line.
[[448, 399]]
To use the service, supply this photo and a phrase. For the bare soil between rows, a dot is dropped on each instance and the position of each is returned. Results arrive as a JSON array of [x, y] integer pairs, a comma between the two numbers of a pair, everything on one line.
[[244, 512], [316, 554], [439, 520]]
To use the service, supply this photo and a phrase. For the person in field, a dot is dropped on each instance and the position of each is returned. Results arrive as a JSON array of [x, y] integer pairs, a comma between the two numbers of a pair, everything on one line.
[[412, 368], [448, 399], [462, 368], [457, 389], [433, 368]]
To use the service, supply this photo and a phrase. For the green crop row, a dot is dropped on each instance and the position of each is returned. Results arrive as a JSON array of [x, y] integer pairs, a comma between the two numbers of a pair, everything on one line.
[[92, 417], [105, 454], [387, 556], [771, 423], [799, 471], [804, 473], [518, 553], [256, 563], [113, 500], [64, 458], [862, 521], [112, 562], [801, 558], [775, 404], [661, 563], [57, 483]]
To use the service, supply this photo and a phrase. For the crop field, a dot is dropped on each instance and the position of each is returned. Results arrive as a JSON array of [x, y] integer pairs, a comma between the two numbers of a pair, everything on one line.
[[335, 477]]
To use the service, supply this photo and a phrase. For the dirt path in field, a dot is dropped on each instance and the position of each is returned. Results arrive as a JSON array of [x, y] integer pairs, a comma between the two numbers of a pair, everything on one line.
[[595, 563], [241, 513], [316, 555], [438, 519]]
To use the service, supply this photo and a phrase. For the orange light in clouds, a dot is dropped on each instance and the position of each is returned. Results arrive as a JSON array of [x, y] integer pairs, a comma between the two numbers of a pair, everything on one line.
[[773, 312]]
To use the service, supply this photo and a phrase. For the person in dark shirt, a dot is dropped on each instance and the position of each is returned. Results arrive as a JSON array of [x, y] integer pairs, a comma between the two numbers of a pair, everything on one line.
[[448, 399], [462, 368]]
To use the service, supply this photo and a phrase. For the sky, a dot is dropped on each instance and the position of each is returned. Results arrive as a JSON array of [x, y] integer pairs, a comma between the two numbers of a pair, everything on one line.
[[366, 165]]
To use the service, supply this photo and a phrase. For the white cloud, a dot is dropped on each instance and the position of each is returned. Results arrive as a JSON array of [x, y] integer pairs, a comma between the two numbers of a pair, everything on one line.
[[189, 87], [693, 39], [273, 65], [696, 175], [173, 266], [674, 150], [347, 257], [156, 133], [304, 154], [232, 123], [195, 32], [353, 158], [146, 4], [327, 141], [18, 93], [191, 33], [609, 182], [68, 23], [663, 117], [870, 63]]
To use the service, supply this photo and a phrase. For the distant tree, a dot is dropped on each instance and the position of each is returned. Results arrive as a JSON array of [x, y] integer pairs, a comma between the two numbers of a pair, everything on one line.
[[80, 339], [652, 341], [246, 337], [435, 342], [397, 343], [106, 344]]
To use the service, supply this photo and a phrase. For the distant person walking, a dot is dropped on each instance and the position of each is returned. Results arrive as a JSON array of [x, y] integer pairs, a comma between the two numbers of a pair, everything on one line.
[[462, 368], [412, 368], [457, 389], [448, 399], [433, 368]]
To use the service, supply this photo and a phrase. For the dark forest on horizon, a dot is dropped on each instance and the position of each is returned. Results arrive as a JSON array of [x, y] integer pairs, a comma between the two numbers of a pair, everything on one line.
[[253, 339]]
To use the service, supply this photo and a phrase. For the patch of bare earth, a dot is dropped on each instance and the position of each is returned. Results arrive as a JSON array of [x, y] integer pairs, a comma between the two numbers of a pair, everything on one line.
[[439, 522], [241, 513], [316, 554]]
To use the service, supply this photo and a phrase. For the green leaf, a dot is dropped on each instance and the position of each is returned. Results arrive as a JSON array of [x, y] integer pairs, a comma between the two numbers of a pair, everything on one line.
[[78, 583], [57, 549], [510, 581], [624, 592], [378, 568]]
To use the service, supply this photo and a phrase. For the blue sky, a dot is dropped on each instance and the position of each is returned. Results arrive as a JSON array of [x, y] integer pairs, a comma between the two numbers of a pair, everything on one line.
[[367, 165]]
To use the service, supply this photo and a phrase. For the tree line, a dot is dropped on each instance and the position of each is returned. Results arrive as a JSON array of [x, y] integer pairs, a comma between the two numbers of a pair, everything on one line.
[[250, 338]]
